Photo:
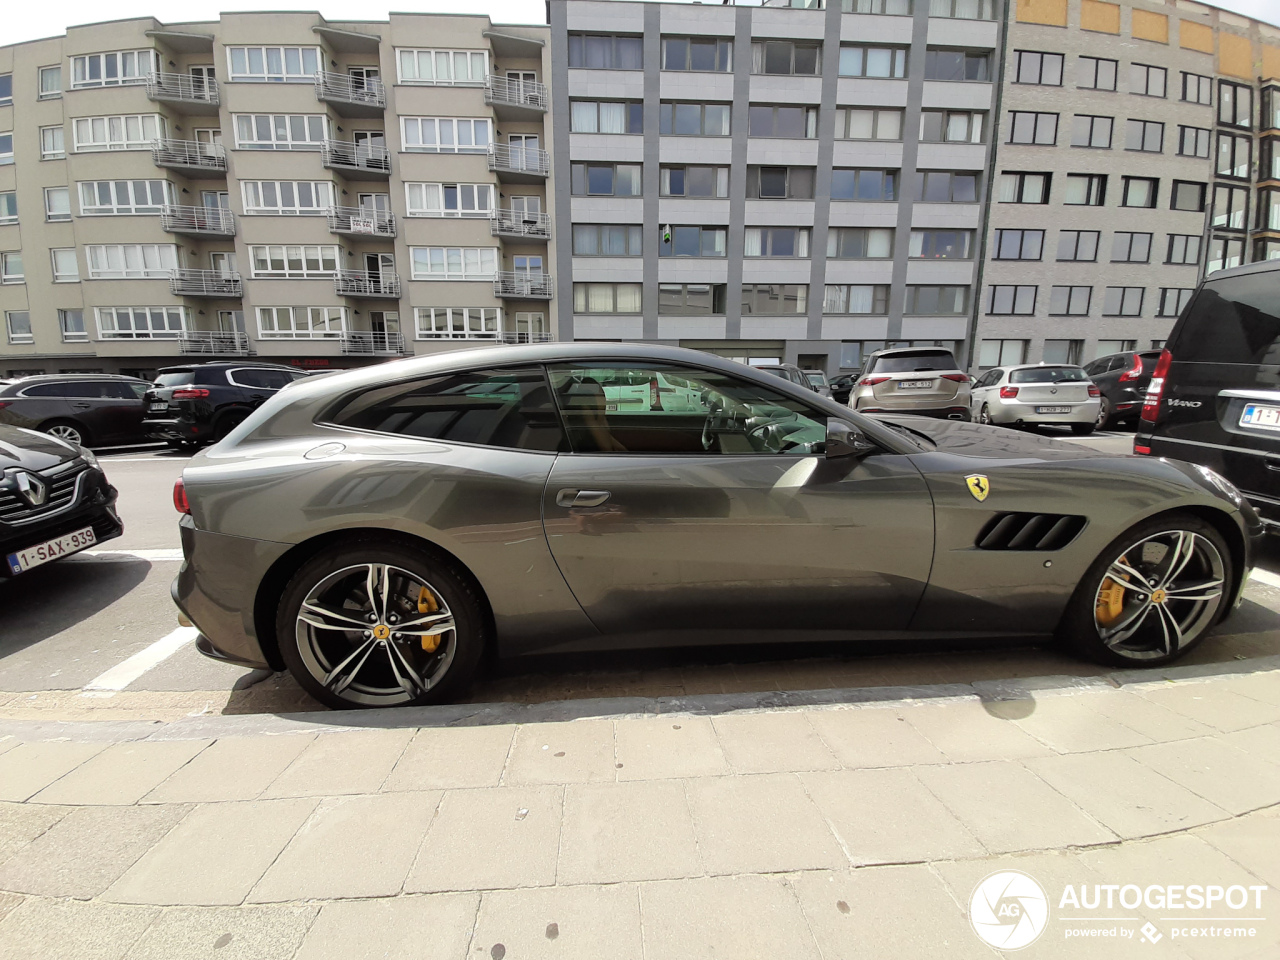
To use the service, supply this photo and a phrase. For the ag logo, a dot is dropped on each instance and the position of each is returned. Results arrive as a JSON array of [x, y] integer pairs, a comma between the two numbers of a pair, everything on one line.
[[1008, 910], [978, 486]]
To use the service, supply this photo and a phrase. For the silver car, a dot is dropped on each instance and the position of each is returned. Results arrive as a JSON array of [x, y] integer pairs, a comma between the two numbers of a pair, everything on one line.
[[920, 380], [1033, 394]]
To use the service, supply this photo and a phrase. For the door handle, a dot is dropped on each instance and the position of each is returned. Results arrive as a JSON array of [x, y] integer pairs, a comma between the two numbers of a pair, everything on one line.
[[1272, 463], [581, 498], [80, 406]]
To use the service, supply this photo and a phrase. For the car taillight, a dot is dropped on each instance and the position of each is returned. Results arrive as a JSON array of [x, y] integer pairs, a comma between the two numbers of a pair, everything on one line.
[[5, 403], [1134, 372], [1008, 393], [1094, 391], [180, 501], [1151, 402], [957, 377], [871, 381], [190, 393], [1140, 448]]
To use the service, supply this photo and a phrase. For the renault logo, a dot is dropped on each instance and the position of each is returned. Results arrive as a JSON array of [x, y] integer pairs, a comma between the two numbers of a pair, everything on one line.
[[31, 488]]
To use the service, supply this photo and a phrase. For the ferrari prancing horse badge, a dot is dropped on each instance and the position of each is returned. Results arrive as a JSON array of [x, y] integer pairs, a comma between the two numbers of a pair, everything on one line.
[[978, 486]]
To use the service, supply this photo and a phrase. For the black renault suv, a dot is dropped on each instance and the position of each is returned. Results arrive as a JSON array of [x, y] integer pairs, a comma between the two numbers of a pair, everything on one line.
[[201, 403], [1214, 397]]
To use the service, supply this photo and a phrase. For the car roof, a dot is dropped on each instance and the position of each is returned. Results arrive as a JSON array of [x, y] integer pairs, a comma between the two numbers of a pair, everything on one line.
[[909, 351], [213, 364], [1264, 266], [1034, 366], [46, 377]]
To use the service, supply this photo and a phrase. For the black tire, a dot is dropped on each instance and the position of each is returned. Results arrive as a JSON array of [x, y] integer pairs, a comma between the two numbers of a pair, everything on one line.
[[1104, 415], [1080, 629], [1082, 429], [984, 416], [227, 422], [68, 430], [309, 652]]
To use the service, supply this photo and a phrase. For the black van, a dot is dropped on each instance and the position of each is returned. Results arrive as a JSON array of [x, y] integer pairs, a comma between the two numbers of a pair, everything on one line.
[[1214, 396]]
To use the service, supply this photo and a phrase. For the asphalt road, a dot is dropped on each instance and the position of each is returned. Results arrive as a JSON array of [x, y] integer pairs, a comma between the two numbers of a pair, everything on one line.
[[74, 626]]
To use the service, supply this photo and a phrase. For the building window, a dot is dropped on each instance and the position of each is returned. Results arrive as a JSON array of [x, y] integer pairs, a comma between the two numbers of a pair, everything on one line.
[[1224, 253], [1123, 302], [857, 299], [139, 323], [467, 68], [11, 268], [1270, 118], [458, 323], [793, 123], [782, 241], [1269, 157], [1268, 211], [1069, 301], [594, 116], [9, 206], [859, 243], [1096, 73], [1039, 68], [788, 183], [957, 65], [1186, 195], [891, 8], [118, 133], [265, 131], [1144, 135], [774, 299], [1230, 206], [1235, 104], [946, 186], [454, 263], [287, 197], [1172, 300], [1007, 300], [786, 57], [951, 126], [693, 181], [1107, 347], [1193, 142], [301, 323], [692, 241], [1033, 128], [933, 301], [274, 64], [57, 204], [1130, 247], [693, 119], [294, 262], [1147, 81], [71, 323], [1197, 89], [604, 179], [1063, 351], [110, 197], [1090, 131], [1264, 248], [608, 240], [1019, 244], [1002, 353], [52, 145], [6, 148], [65, 267], [50, 82], [963, 9], [881, 62], [692, 299], [1078, 245], [605, 52], [449, 199], [1235, 155], [709, 54], [1183, 248], [941, 244], [113, 69], [18, 323], [606, 297], [1024, 187], [1139, 192], [865, 123], [131, 261], [1087, 189], [446, 134]]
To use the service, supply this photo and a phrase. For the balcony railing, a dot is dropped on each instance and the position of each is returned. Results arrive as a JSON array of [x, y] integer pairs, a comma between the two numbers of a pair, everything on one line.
[[361, 221], [361, 283], [189, 155], [504, 92], [214, 342], [339, 89], [506, 222], [372, 343], [371, 159], [512, 336], [213, 221], [182, 88], [527, 161], [523, 286], [205, 283]]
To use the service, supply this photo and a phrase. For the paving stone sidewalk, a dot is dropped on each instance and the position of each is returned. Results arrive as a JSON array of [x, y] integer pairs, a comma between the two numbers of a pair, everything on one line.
[[846, 828]]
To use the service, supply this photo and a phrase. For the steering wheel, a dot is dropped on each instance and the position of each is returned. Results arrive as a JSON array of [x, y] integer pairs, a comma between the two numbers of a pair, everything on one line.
[[719, 420]]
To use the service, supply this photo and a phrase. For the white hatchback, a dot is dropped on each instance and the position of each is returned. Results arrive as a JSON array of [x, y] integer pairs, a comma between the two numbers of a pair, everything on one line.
[[1034, 394]]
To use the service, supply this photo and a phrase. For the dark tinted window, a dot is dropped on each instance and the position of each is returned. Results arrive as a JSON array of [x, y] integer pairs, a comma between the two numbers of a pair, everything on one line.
[[1234, 320], [498, 408], [1047, 375], [82, 390], [136, 390], [909, 362], [46, 390], [176, 379], [121, 390], [261, 378]]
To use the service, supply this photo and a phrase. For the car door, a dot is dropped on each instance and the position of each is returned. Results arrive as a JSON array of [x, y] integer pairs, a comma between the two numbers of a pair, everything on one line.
[[92, 405], [722, 514], [121, 411], [981, 392]]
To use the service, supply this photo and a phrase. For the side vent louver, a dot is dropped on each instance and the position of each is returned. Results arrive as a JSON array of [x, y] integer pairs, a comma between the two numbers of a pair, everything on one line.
[[1029, 531]]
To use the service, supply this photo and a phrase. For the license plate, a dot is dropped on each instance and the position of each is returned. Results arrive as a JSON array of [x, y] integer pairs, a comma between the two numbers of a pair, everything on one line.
[[158, 406], [1053, 409], [914, 384], [51, 550], [1260, 415]]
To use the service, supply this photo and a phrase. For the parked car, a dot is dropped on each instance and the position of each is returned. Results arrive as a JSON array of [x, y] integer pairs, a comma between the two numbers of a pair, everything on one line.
[[1214, 397], [841, 386], [787, 371], [54, 500], [1029, 395], [96, 409], [818, 381], [376, 531], [201, 403], [920, 380], [1122, 378]]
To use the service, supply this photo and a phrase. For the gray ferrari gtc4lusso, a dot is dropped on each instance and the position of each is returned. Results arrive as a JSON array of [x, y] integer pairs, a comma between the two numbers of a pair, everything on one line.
[[375, 531]]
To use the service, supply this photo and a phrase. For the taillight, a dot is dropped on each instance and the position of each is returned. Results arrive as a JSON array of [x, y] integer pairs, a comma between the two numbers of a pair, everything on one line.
[[957, 377], [180, 501], [1140, 448], [1094, 391], [5, 403], [1151, 402], [190, 393], [1008, 393], [871, 381], [1134, 372]]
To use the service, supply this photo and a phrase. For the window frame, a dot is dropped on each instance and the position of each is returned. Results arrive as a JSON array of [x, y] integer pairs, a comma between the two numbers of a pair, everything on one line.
[[714, 232], [1197, 134], [150, 54], [50, 94], [583, 285], [897, 61], [586, 165], [843, 294], [63, 277], [1186, 239], [1144, 136], [1038, 118], [117, 209], [1201, 82], [424, 254], [102, 253], [668, 109], [1148, 71], [1097, 67], [633, 118], [633, 235], [1127, 183], [256, 208], [720, 175], [578, 50], [289, 143], [718, 294], [165, 311], [1037, 61], [760, 62], [751, 294], [304, 254], [1021, 188], [723, 45], [911, 300], [1096, 236], [1071, 295], [1178, 186], [424, 211], [417, 144], [1093, 119], [1091, 181], [267, 75], [489, 324], [1018, 292], [1140, 238], [1124, 297], [433, 54]]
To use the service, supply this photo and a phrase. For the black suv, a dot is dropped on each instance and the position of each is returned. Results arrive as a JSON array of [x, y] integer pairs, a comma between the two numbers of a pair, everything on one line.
[[1122, 378], [201, 403], [85, 409], [1214, 397]]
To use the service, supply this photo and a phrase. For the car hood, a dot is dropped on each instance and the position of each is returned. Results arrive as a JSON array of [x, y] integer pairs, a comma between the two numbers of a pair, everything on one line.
[[997, 443], [34, 451]]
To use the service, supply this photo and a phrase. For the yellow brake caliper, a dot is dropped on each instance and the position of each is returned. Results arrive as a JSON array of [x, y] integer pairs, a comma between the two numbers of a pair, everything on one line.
[[1110, 600], [427, 604]]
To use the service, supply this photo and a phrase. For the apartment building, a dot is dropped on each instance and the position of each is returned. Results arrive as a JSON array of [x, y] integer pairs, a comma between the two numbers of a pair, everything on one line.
[[273, 185]]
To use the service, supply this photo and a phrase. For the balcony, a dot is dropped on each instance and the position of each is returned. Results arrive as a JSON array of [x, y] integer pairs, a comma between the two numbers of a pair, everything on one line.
[[190, 157], [515, 99], [351, 96], [205, 283], [519, 225], [361, 222], [361, 283], [511, 336], [198, 221], [357, 161], [522, 286], [372, 343], [519, 164], [214, 343], [196, 94]]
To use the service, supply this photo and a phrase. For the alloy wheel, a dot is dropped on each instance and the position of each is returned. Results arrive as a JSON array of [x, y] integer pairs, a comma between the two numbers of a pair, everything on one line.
[[64, 431], [985, 415], [1104, 413]]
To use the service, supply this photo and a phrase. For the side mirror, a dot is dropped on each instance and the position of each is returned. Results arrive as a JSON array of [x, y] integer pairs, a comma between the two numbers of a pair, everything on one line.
[[846, 440]]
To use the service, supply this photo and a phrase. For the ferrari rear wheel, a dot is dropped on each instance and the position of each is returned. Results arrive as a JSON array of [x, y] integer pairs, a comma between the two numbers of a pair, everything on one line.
[[1152, 594]]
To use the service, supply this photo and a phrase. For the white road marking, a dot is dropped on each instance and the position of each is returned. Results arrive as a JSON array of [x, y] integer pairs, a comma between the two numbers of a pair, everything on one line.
[[112, 459], [1265, 576], [125, 555], [124, 673]]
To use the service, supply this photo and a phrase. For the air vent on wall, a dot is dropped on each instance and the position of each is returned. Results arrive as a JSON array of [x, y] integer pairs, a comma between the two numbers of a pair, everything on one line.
[[1029, 531]]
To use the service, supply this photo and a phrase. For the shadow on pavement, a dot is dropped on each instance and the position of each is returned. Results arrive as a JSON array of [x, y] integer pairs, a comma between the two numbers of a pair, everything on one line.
[[49, 599]]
